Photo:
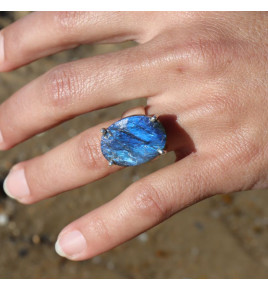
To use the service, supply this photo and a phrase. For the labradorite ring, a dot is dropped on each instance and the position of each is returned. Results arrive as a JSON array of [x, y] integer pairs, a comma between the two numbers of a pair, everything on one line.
[[133, 140]]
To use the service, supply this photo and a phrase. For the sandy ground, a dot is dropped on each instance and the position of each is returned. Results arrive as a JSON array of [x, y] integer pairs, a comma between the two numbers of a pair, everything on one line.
[[221, 237]]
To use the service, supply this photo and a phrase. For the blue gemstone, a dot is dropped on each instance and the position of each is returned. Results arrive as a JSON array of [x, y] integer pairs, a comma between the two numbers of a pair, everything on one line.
[[133, 140]]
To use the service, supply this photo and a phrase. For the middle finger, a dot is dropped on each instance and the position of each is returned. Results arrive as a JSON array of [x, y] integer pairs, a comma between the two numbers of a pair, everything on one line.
[[76, 88]]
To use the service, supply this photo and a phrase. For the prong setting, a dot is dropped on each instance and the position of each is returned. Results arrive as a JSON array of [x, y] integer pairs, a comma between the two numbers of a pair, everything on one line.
[[161, 152], [111, 163], [105, 132], [153, 118]]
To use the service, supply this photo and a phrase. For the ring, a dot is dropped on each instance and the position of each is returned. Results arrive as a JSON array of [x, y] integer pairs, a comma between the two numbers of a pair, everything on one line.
[[133, 140]]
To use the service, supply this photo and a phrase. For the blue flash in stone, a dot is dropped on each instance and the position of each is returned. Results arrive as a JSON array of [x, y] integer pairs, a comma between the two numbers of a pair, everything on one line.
[[133, 140]]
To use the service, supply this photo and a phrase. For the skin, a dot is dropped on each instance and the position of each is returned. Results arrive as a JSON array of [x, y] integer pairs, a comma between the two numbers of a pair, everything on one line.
[[208, 70]]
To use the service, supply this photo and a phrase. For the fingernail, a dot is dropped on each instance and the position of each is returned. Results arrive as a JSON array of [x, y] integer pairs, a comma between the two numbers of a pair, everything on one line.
[[2, 51], [15, 184], [71, 244]]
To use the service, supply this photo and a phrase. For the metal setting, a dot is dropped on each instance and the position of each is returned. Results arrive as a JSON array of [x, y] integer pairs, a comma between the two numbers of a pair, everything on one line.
[[161, 152], [153, 118], [105, 132]]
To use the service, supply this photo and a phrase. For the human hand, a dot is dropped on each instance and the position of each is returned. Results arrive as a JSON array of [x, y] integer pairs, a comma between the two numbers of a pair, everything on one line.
[[203, 72]]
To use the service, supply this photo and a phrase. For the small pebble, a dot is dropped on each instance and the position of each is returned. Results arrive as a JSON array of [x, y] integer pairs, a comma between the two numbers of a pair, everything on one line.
[[40, 134], [23, 252], [110, 265], [227, 198], [162, 253], [96, 260], [10, 206], [143, 237], [12, 226], [215, 214], [199, 225], [36, 239], [44, 148], [72, 132], [3, 219], [195, 251], [16, 232], [135, 178]]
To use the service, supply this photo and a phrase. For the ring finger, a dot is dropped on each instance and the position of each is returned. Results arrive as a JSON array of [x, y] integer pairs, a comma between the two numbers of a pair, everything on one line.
[[70, 165], [74, 163]]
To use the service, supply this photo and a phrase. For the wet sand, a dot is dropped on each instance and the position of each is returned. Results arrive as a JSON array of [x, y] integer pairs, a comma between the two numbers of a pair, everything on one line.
[[222, 237]]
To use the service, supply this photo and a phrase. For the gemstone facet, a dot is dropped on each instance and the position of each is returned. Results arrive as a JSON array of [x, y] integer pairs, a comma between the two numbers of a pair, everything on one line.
[[133, 140]]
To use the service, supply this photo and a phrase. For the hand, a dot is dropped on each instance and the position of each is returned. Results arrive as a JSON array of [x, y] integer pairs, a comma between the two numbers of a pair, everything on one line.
[[206, 72]]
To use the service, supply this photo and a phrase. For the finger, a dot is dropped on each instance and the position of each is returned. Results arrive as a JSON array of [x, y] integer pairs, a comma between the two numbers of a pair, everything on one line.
[[75, 88], [134, 111], [72, 164], [141, 206], [44, 33], [178, 139]]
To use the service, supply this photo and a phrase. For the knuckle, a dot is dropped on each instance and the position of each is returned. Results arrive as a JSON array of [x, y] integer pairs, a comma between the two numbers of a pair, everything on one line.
[[246, 148], [69, 21], [222, 104], [249, 157], [169, 54], [98, 226], [240, 152], [198, 54], [208, 55], [13, 40], [63, 86], [90, 155], [225, 106], [39, 186], [148, 202]]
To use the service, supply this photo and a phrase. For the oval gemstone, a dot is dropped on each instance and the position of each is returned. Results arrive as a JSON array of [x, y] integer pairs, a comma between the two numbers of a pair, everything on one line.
[[133, 140]]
